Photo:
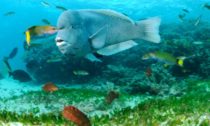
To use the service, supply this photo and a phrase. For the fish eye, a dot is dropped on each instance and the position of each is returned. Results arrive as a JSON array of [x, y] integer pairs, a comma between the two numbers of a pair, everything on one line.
[[75, 26], [61, 28]]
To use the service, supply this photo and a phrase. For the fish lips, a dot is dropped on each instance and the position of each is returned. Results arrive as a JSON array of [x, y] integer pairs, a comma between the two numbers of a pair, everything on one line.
[[62, 47], [65, 47]]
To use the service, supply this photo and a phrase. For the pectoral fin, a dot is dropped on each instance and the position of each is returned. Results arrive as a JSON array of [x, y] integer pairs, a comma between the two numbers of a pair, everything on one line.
[[98, 39], [92, 58], [116, 48]]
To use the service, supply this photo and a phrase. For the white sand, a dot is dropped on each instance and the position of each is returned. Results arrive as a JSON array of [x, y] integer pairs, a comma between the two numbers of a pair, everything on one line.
[[10, 88], [11, 124]]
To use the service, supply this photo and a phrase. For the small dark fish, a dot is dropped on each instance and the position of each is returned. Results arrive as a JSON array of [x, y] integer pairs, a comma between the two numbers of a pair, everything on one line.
[[46, 21], [61, 8], [20, 75], [13, 53], [7, 64], [44, 3], [9, 13], [182, 16], [207, 6], [185, 10]]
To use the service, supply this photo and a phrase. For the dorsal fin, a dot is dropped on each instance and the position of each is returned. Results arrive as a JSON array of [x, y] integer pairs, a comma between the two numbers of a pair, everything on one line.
[[113, 14]]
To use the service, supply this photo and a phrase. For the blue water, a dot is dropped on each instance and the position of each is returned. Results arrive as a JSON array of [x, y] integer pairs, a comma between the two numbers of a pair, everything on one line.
[[30, 12], [126, 70]]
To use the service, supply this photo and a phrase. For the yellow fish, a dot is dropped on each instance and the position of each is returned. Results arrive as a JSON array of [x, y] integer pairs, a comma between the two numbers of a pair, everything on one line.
[[36, 32], [180, 63], [168, 58], [28, 37]]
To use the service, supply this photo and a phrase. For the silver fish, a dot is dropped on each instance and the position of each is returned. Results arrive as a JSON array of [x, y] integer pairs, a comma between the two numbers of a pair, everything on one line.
[[80, 73]]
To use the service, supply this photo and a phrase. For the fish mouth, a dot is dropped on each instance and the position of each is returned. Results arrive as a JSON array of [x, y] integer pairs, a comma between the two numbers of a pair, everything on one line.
[[59, 41], [62, 45]]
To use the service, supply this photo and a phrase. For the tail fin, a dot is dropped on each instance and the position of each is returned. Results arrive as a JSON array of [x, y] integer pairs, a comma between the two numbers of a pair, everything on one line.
[[7, 64], [149, 29]]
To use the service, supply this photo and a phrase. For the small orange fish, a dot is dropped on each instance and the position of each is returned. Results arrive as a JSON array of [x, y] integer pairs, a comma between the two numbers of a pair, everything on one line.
[[75, 115], [36, 32], [148, 72], [41, 30], [50, 87], [111, 96]]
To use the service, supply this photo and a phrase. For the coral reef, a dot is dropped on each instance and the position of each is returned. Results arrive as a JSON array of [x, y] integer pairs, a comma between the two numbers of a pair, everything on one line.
[[161, 81], [178, 39]]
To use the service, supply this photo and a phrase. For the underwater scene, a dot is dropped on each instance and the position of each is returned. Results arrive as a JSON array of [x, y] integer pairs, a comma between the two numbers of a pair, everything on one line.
[[105, 63]]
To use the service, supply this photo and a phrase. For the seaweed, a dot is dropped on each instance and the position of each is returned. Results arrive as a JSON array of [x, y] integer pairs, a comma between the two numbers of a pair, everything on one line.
[[189, 109]]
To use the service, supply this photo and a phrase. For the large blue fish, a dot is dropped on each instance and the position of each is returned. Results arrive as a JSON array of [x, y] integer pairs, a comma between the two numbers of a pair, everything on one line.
[[90, 33]]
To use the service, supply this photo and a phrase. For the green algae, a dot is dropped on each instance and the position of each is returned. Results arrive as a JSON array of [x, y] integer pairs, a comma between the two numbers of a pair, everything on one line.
[[189, 109]]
